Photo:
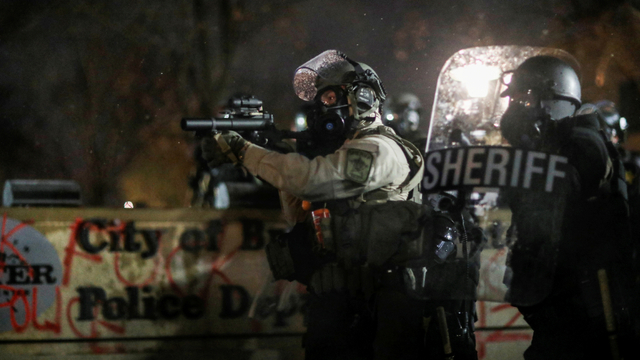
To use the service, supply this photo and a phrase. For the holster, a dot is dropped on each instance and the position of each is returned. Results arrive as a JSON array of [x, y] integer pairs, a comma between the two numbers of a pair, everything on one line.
[[291, 255], [280, 260], [333, 277]]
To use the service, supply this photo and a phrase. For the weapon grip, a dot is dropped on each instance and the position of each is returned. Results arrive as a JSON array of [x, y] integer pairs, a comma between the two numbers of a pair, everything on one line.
[[225, 148]]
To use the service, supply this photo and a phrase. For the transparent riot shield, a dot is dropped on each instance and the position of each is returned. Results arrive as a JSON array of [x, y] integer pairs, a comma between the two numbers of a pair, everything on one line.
[[499, 209]]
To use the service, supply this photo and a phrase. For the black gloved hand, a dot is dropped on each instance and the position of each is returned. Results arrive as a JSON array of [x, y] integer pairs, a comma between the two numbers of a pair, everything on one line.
[[215, 153]]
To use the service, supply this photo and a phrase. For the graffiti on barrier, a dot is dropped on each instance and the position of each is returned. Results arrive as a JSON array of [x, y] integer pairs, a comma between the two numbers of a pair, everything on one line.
[[33, 277], [194, 273], [30, 272]]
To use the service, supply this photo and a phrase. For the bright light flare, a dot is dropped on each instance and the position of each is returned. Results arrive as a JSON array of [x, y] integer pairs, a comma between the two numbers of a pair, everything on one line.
[[300, 120], [476, 78], [623, 123]]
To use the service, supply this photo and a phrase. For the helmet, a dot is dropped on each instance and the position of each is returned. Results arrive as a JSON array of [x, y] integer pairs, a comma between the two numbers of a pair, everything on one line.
[[543, 88], [402, 113], [609, 118], [552, 83], [617, 125], [358, 92]]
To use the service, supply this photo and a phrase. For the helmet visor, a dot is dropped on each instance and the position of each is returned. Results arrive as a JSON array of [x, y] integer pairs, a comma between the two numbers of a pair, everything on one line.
[[326, 69]]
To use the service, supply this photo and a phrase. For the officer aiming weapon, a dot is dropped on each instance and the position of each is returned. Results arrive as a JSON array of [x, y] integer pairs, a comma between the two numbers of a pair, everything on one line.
[[227, 185], [244, 114]]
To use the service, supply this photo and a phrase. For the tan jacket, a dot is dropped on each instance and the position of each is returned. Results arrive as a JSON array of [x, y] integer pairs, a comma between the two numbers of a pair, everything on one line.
[[324, 178]]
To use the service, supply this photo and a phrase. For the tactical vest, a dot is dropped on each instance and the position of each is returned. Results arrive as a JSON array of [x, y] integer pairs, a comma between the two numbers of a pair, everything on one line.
[[414, 159], [371, 229], [363, 233]]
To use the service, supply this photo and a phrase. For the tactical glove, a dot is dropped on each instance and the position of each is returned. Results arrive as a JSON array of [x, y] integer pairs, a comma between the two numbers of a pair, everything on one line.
[[223, 148]]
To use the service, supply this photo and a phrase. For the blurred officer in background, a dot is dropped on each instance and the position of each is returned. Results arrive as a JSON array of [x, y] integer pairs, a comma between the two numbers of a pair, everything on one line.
[[615, 127], [403, 113]]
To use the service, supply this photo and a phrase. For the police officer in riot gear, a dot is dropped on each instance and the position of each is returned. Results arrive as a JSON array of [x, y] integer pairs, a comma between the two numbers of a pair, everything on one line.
[[403, 113], [615, 128], [614, 124], [357, 307], [593, 244]]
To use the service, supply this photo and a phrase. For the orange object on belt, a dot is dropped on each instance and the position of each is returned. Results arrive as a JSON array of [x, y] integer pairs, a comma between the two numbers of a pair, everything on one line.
[[317, 216]]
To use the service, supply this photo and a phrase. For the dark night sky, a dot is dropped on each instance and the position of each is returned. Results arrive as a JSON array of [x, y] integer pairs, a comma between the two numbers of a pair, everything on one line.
[[406, 42], [94, 90]]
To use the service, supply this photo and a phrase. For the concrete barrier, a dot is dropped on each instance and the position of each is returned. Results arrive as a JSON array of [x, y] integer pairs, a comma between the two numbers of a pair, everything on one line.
[[150, 283]]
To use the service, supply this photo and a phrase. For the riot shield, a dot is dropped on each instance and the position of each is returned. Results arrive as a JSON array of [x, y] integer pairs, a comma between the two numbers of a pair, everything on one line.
[[499, 208]]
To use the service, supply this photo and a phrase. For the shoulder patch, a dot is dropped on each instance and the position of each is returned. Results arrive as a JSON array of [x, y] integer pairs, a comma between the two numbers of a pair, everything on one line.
[[359, 163]]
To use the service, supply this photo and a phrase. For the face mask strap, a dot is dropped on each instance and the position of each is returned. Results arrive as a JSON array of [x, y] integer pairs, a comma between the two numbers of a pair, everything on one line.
[[337, 107]]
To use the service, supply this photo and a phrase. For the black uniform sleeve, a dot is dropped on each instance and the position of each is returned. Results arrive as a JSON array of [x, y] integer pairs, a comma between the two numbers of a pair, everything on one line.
[[587, 152]]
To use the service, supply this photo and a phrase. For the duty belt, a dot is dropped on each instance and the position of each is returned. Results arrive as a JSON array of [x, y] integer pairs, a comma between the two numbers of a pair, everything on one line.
[[334, 278]]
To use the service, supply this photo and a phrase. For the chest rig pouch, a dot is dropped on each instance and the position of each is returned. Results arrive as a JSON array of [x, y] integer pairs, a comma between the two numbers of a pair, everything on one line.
[[374, 230]]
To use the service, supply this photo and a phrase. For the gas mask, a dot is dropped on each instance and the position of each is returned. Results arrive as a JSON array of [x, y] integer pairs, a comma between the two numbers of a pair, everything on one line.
[[542, 90], [523, 125], [332, 121], [530, 118], [410, 120], [357, 93]]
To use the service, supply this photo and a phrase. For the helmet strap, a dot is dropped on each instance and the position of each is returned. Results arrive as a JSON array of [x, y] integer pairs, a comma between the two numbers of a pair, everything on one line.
[[367, 76], [365, 118]]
